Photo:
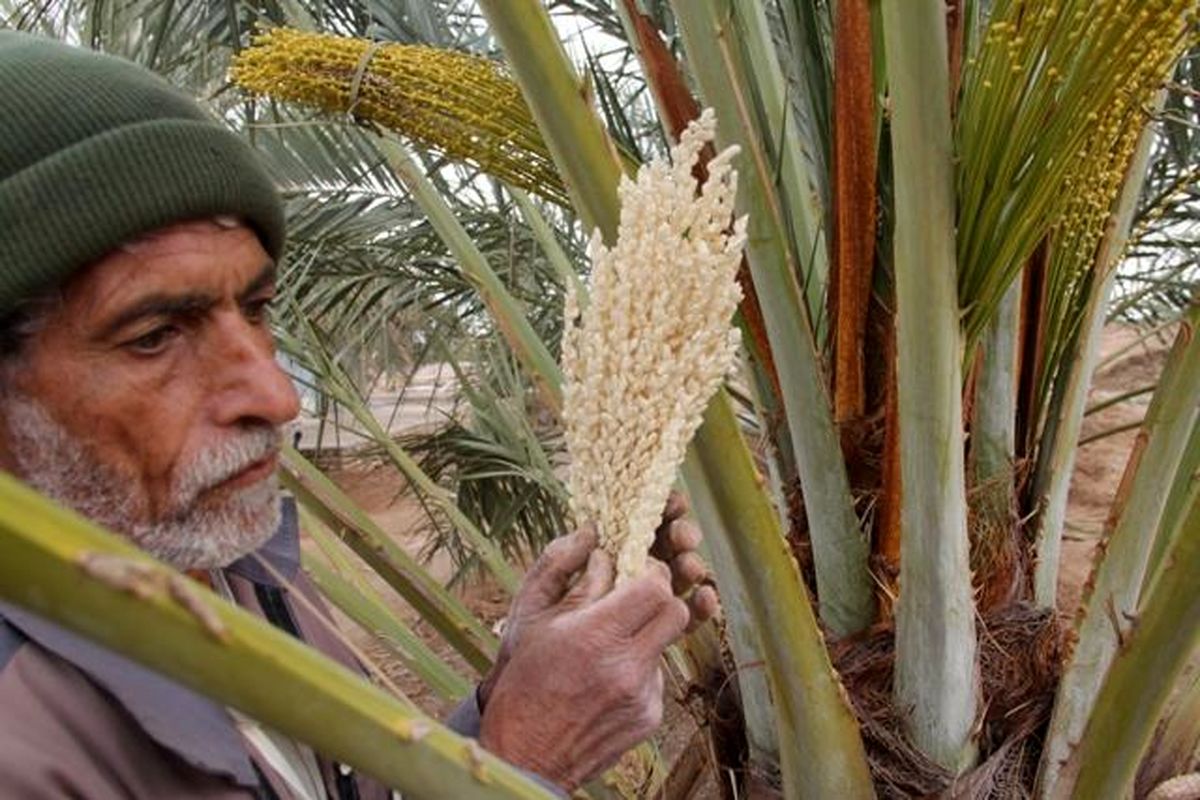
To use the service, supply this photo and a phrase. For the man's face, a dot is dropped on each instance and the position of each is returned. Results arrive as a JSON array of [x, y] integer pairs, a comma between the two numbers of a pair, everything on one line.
[[150, 399]]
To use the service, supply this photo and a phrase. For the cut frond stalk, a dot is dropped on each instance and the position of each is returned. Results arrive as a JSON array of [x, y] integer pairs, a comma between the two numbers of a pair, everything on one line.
[[936, 679], [1131, 532], [840, 553], [62, 567], [444, 612], [1153, 653], [820, 745]]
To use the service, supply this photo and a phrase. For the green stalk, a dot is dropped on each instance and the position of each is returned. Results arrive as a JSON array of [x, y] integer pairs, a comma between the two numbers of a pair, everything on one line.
[[1117, 579], [64, 568], [446, 613], [1177, 741], [506, 312], [1153, 654], [741, 631], [840, 553], [993, 423], [798, 186], [361, 604], [1187, 478], [1056, 452], [821, 751], [341, 388], [555, 254], [936, 680], [560, 102]]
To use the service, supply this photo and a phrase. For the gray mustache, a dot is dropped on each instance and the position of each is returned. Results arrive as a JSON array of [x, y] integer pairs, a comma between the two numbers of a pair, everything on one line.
[[217, 464]]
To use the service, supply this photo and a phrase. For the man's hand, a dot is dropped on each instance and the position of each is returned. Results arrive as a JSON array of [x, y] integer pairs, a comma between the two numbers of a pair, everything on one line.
[[577, 681]]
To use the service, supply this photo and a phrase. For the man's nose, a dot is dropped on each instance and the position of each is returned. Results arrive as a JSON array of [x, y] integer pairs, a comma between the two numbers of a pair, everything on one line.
[[251, 386]]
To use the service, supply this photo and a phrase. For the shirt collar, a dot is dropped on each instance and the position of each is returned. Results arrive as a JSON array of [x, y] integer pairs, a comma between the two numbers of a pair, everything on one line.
[[281, 552]]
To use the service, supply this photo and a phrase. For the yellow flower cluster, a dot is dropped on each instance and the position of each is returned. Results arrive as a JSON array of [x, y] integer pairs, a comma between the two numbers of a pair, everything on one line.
[[1052, 108], [460, 105], [644, 358]]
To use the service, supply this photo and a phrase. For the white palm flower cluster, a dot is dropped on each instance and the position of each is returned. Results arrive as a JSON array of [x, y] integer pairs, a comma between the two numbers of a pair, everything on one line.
[[653, 345]]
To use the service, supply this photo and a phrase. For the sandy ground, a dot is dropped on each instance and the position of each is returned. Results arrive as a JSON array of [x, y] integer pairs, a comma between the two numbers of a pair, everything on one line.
[[382, 495]]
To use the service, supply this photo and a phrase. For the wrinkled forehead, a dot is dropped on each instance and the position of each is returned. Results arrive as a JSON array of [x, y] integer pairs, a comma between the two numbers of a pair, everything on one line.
[[212, 258], [151, 238]]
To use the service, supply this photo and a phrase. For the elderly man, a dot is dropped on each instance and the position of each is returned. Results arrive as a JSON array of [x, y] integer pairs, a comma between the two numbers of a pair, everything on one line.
[[138, 385]]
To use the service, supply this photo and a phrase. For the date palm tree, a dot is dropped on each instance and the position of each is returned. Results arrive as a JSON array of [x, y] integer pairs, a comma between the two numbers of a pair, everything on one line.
[[939, 196]]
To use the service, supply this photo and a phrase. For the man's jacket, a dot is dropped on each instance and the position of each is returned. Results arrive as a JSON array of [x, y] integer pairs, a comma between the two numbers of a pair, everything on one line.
[[80, 721]]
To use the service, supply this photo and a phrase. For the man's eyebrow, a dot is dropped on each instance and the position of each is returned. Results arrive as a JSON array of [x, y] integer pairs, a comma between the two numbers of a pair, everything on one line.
[[158, 305], [263, 280]]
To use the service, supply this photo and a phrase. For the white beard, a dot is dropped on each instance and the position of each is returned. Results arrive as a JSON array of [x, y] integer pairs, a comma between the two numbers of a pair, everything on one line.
[[190, 532]]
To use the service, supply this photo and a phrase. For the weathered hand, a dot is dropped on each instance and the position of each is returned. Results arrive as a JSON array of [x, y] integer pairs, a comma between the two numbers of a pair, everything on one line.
[[582, 683], [675, 543]]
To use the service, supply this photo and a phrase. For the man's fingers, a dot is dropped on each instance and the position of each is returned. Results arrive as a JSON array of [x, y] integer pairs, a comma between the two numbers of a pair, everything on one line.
[[550, 576], [675, 537], [703, 605], [677, 506], [597, 579], [687, 569], [665, 627], [635, 603]]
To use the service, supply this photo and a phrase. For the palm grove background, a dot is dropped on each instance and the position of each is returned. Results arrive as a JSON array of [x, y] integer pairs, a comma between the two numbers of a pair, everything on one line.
[[401, 257]]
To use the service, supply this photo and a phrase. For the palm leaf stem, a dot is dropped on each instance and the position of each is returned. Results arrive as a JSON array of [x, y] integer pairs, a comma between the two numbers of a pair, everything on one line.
[[1187, 477], [568, 277], [1152, 655], [936, 670], [741, 629], [779, 136], [840, 553], [1134, 525], [1060, 440], [338, 385], [364, 606], [448, 616], [59, 565], [820, 747], [559, 99], [994, 412]]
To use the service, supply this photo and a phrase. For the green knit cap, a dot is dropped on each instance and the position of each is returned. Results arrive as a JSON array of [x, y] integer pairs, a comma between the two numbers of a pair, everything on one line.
[[95, 151]]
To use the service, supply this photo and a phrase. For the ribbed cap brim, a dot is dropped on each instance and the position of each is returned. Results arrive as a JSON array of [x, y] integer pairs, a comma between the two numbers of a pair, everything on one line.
[[68, 211]]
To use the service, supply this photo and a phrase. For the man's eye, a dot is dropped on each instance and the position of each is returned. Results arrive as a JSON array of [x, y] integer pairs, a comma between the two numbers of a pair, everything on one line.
[[154, 342], [259, 311]]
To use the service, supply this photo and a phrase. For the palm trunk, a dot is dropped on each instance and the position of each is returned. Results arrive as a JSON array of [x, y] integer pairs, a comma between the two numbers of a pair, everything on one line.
[[936, 683]]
